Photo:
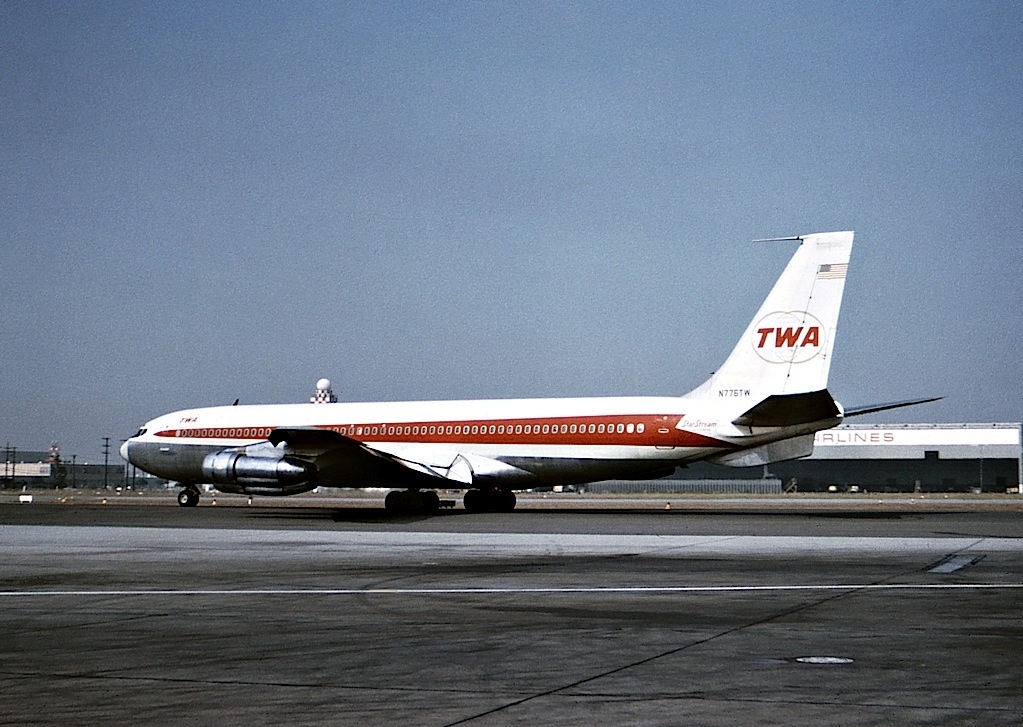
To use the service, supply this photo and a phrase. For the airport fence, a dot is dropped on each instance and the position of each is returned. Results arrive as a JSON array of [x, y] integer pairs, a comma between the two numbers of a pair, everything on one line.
[[770, 486]]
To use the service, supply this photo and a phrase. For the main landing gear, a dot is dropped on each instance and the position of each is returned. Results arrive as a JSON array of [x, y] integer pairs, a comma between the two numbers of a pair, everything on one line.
[[491, 500], [409, 501], [189, 497]]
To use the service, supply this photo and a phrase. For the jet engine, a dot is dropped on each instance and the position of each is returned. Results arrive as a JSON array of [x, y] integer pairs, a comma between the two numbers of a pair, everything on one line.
[[234, 470]]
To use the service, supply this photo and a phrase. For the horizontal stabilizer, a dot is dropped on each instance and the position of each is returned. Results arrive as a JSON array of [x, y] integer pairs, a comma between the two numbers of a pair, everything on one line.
[[870, 409], [784, 410]]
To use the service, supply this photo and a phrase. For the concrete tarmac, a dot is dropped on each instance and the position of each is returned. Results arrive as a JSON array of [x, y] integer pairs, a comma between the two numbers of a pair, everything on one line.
[[732, 613]]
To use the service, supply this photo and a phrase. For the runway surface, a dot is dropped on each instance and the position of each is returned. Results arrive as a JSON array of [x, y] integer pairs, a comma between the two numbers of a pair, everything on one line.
[[710, 613]]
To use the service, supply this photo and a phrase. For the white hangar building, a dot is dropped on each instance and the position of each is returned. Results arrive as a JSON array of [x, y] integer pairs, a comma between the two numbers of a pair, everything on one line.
[[898, 458]]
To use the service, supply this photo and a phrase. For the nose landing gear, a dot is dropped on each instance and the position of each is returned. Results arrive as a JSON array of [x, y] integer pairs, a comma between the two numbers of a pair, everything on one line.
[[189, 497]]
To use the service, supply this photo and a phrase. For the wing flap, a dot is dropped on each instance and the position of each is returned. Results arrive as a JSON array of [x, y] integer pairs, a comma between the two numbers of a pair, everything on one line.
[[781, 451]]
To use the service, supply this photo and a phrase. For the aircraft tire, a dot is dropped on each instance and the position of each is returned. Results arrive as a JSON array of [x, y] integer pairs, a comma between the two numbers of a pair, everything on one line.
[[430, 501], [409, 501], [473, 500], [396, 501], [188, 497], [489, 500]]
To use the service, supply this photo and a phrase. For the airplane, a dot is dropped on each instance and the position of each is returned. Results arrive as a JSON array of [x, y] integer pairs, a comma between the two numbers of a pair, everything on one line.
[[762, 405]]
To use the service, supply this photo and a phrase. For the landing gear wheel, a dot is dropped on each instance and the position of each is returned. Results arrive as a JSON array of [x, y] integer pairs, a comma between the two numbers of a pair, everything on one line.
[[188, 497], [410, 501], [474, 501], [496, 500]]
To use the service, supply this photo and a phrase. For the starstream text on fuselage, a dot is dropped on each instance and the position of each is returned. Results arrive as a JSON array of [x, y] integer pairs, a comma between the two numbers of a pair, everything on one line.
[[762, 405]]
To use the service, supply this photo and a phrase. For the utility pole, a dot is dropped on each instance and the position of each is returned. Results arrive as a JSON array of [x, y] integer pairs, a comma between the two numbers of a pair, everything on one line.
[[74, 472], [106, 461], [128, 483]]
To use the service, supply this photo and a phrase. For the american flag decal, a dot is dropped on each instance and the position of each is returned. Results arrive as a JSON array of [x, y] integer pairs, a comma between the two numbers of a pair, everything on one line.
[[832, 271]]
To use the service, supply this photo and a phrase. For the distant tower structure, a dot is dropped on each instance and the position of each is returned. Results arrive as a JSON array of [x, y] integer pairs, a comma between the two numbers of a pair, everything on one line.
[[324, 393], [58, 470]]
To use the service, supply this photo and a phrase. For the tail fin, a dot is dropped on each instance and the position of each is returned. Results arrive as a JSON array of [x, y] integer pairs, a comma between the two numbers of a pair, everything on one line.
[[787, 347]]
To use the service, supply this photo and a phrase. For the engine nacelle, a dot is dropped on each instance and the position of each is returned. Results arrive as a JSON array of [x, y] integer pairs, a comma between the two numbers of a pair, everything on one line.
[[266, 490], [236, 471]]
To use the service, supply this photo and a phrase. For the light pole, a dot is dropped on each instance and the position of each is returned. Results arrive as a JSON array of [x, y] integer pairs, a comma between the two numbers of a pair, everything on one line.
[[106, 461]]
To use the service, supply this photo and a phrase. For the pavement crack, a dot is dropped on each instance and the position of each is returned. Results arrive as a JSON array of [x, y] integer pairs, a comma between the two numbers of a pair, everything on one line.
[[652, 658], [78, 676]]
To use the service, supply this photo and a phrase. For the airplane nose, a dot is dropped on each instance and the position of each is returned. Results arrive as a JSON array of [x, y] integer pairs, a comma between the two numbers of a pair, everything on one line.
[[124, 451]]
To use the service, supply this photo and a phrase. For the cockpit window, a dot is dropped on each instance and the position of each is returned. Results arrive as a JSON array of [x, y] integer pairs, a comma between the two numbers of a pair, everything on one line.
[[140, 432]]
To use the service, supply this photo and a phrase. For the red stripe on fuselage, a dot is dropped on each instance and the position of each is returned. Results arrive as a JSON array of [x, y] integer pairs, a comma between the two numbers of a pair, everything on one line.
[[618, 429]]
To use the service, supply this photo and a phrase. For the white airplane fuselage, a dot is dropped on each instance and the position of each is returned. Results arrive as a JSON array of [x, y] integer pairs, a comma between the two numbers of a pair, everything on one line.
[[763, 404], [540, 441]]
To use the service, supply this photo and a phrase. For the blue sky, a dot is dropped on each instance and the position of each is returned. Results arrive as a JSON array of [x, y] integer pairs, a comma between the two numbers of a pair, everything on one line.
[[204, 202]]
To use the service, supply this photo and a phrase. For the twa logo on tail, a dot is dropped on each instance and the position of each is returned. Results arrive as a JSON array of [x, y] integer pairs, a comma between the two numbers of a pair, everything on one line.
[[788, 337]]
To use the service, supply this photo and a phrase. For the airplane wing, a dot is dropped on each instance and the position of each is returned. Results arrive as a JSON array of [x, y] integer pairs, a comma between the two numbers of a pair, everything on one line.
[[341, 461]]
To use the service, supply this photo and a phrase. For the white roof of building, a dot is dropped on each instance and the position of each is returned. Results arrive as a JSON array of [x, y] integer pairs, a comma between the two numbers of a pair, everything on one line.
[[898, 441]]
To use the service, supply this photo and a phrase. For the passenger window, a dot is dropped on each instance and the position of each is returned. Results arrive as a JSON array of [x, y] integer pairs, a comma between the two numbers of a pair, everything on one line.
[[518, 429], [640, 427], [630, 428], [600, 429]]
